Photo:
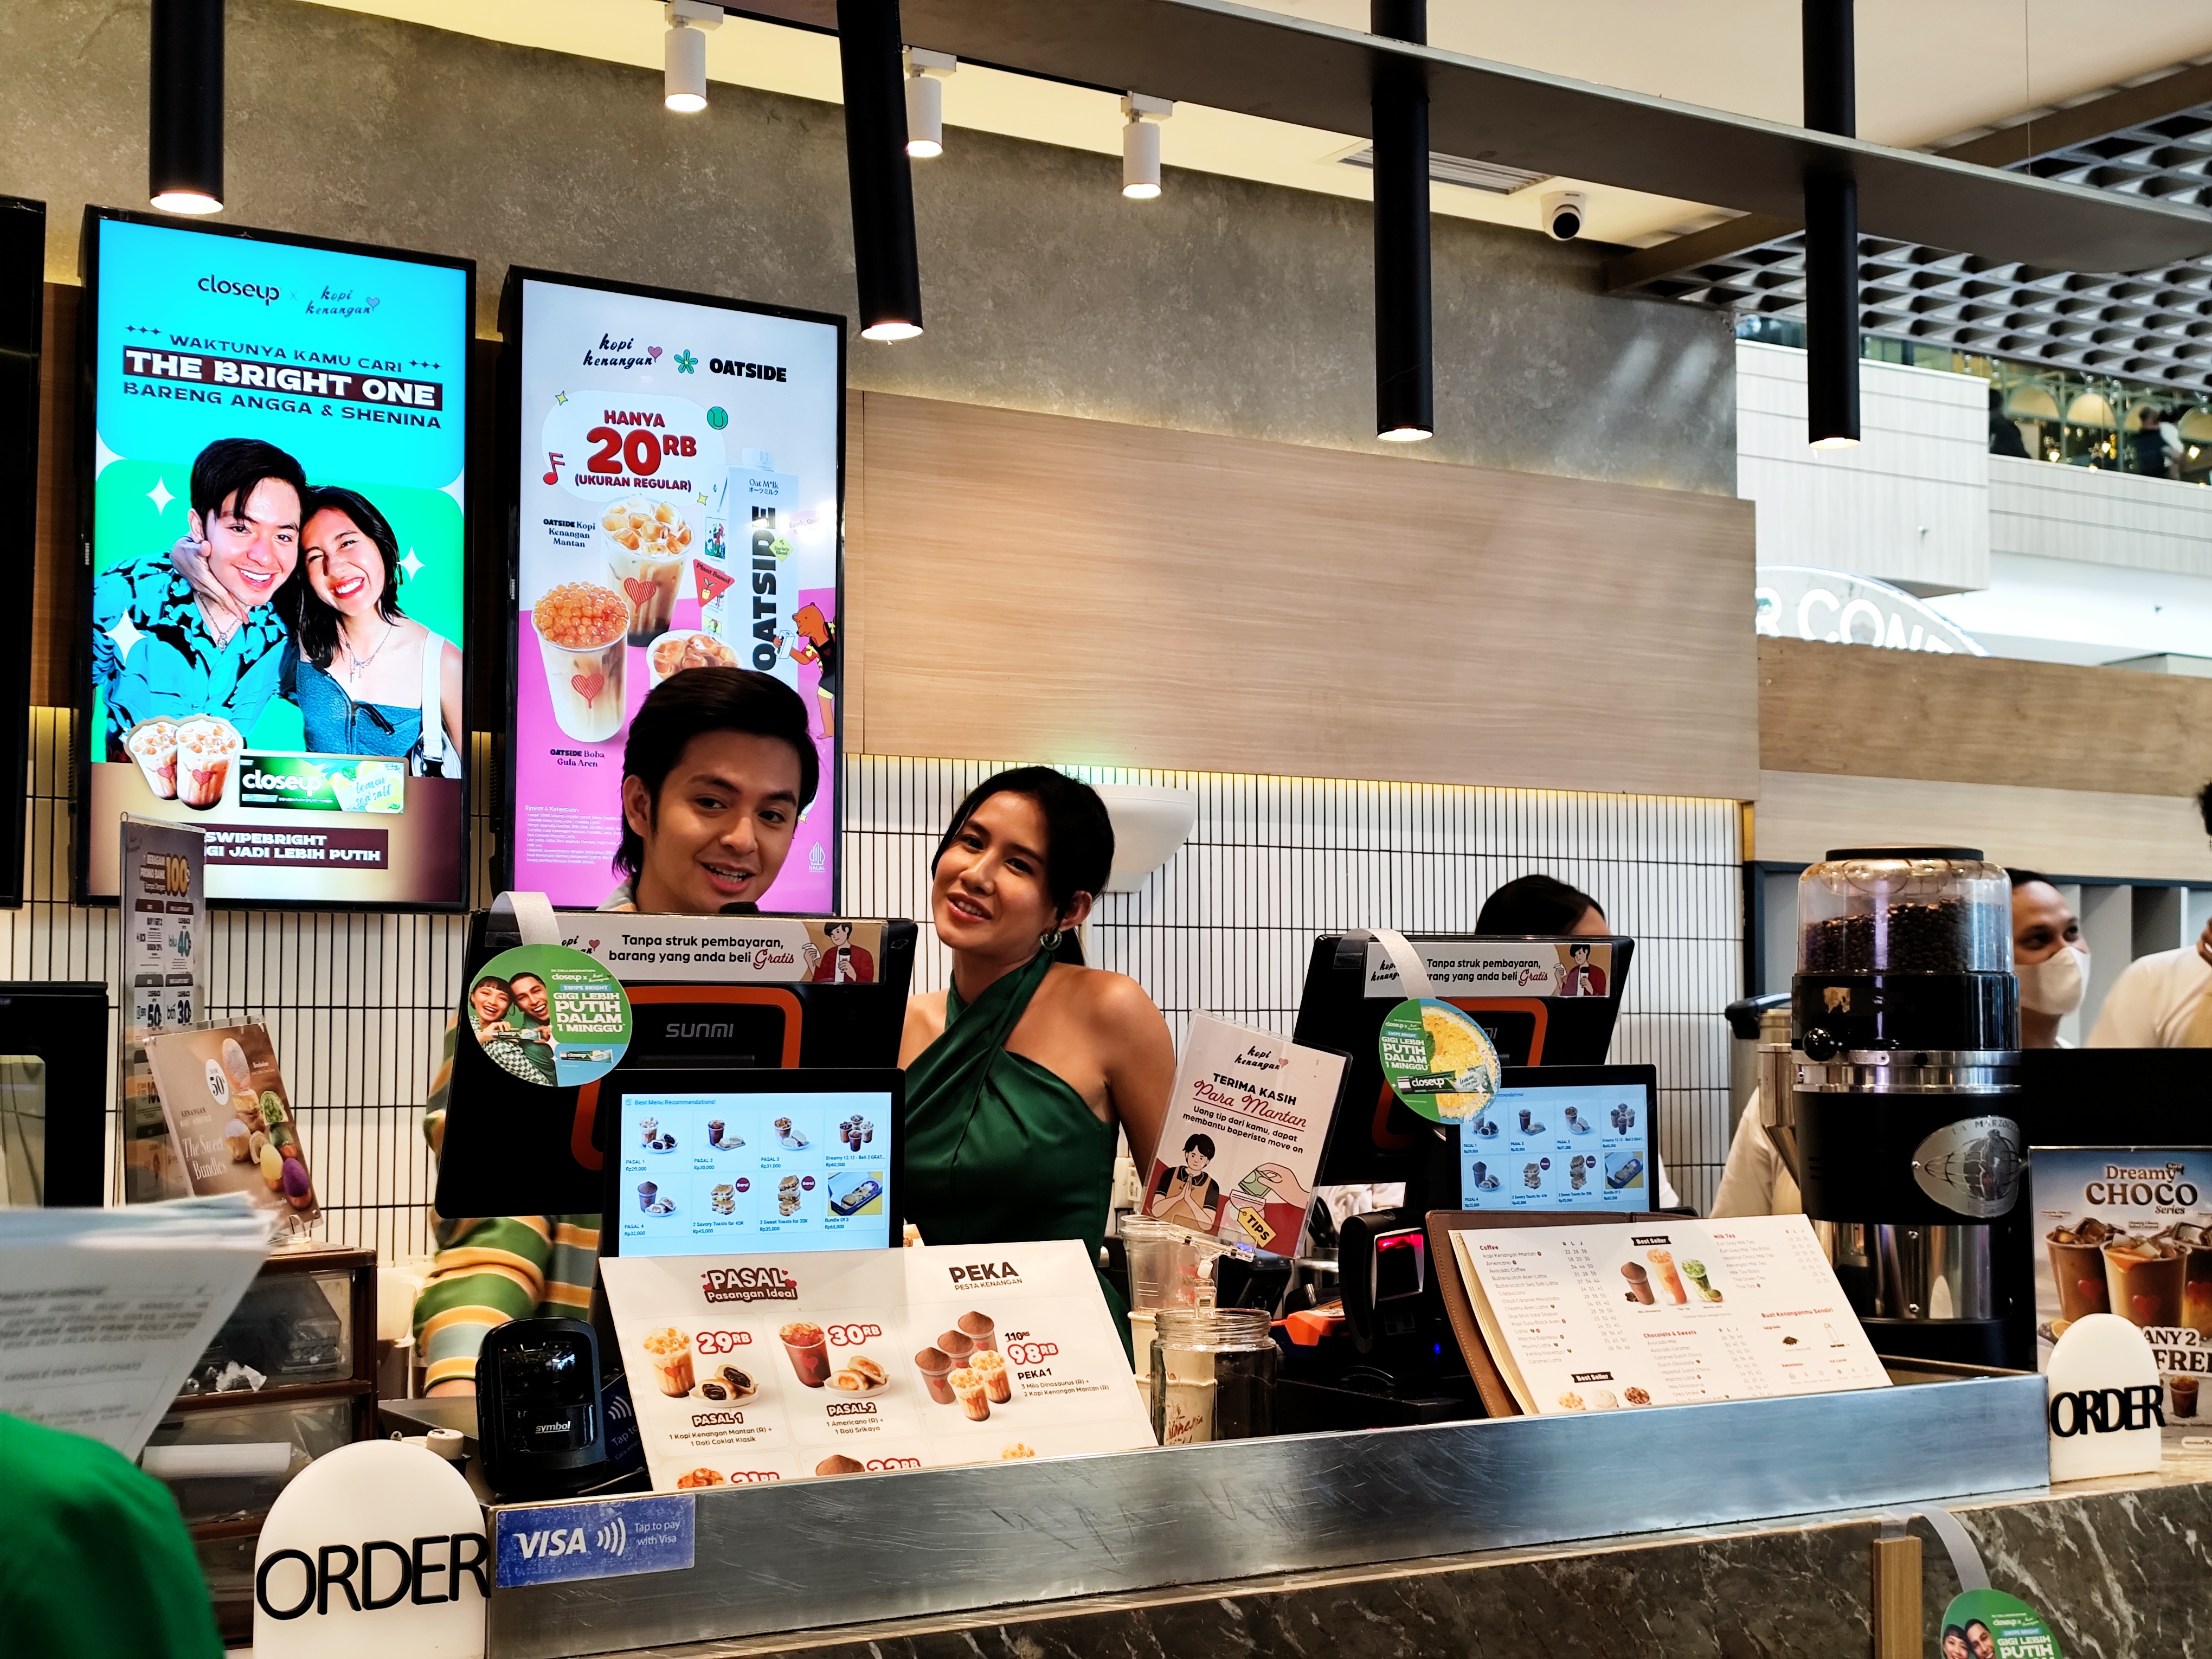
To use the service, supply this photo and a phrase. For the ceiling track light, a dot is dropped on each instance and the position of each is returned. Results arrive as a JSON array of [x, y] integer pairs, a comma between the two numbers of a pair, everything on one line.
[[1832, 232], [184, 137], [926, 73], [685, 89], [886, 265], [1140, 144], [1404, 367]]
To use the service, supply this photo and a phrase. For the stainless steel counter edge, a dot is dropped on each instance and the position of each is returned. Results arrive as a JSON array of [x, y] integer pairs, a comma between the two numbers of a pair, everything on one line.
[[868, 1547]]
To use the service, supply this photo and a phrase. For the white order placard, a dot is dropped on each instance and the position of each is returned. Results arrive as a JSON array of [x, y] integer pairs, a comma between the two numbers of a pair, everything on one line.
[[757, 1368]]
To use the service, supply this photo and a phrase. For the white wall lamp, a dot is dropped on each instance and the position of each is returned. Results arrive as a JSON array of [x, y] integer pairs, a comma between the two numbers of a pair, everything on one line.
[[1140, 144], [685, 89], [926, 72]]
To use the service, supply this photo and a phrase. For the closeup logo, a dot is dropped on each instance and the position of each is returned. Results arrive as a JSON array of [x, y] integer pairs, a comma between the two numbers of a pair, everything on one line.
[[267, 293]]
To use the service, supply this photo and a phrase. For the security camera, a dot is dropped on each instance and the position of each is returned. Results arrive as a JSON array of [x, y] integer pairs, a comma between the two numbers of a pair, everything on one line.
[[1563, 214]]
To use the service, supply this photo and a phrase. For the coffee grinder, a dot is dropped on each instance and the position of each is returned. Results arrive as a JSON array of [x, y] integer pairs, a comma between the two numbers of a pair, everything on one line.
[[1898, 1111]]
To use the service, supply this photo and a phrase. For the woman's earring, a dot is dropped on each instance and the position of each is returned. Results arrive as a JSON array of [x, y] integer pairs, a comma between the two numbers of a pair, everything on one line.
[[1050, 942]]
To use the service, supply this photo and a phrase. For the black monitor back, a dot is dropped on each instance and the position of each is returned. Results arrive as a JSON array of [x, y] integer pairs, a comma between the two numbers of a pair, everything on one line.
[[1375, 1137], [517, 1148], [53, 1129]]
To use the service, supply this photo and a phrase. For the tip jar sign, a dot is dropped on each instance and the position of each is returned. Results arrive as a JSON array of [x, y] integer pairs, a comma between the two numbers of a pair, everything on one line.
[[678, 477]]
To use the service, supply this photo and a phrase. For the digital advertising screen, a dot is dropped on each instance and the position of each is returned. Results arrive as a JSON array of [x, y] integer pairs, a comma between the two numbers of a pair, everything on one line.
[[272, 464], [736, 1173], [1583, 1146], [678, 481]]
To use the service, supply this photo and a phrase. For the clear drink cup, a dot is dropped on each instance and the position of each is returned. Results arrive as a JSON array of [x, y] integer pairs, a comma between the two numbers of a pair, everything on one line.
[[973, 1392], [206, 748], [2145, 1278], [153, 744], [646, 544], [582, 630]]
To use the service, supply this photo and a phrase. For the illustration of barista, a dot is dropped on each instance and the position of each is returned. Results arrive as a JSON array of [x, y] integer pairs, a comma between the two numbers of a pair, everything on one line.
[[1188, 1195], [1582, 979], [844, 962]]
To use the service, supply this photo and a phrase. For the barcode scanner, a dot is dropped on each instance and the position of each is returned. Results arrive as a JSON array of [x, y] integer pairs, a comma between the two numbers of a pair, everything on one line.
[[539, 1419]]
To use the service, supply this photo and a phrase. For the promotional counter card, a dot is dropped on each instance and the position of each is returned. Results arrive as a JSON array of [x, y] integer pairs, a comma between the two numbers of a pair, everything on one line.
[[230, 1122], [2129, 1231], [1665, 1312], [1242, 1139], [766, 1367], [728, 949]]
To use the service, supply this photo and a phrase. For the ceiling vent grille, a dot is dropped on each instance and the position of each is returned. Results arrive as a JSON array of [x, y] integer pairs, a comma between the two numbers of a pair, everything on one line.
[[1491, 176]]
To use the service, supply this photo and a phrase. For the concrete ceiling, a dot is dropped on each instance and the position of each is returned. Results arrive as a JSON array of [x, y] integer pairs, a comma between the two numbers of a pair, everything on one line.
[[1926, 72]]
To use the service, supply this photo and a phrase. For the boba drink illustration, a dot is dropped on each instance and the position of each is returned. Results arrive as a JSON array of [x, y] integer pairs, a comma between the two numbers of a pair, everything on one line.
[[1695, 1273], [646, 544], [582, 629], [153, 744], [1662, 1266], [1639, 1282]]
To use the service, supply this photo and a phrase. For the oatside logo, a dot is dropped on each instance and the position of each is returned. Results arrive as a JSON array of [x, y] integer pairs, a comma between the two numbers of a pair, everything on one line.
[[748, 1284], [267, 293]]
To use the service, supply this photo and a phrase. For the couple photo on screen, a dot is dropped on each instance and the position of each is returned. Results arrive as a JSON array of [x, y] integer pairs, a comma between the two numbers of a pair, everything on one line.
[[279, 589]]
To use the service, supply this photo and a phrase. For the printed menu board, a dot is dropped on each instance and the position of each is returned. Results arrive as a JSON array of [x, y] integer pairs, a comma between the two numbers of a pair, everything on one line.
[[276, 439], [2129, 1231], [678, 479], [786, 1367], [1242, 1140], [1620, 1315]]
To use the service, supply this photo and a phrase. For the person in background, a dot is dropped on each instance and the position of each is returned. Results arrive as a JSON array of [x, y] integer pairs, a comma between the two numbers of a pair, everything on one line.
[[98, 1560], [718, 765], [1542, 905], [2163, 1001], [1023, 1073], [2155, 446], [2004, 436], [2053, 968]]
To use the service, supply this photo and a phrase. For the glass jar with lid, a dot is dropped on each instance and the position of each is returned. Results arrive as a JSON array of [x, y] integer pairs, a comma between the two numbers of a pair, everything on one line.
[[1904, 910], [1212, 1375]]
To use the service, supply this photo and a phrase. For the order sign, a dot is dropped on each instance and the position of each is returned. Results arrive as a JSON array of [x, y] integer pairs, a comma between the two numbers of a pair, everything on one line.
[[551, 1015], [1438, 1059]]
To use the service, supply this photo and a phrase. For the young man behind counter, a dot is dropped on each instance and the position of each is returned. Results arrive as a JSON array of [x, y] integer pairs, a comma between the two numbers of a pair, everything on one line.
[[717, 768]]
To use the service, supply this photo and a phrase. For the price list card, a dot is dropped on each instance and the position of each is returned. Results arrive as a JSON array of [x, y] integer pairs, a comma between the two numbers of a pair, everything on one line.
[[1616, 1315]]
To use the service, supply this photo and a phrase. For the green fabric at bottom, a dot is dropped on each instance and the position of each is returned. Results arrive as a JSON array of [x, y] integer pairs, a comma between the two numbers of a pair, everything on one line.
[[97, 1559], [998, 1150]]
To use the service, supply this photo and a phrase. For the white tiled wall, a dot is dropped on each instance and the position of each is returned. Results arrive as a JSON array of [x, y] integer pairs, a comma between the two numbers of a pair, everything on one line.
[[356, 1003]]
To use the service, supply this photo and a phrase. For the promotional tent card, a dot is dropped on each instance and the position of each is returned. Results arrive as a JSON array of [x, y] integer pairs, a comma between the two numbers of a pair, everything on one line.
[[746, 1369], [231, 1122], [164, 904], [1242, 1139], [734, 950], [1662, 1312], [2129, 1231]]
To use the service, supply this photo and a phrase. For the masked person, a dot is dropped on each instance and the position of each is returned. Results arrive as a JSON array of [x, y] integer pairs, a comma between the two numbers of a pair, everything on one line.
[[2163, 1001], [1021, 1075], [717, 768], [2053, 968]]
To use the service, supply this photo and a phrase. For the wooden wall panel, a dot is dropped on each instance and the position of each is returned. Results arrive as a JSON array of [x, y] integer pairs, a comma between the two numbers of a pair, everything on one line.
[[1851, 709], [1042, 586], [2062, 832], [53, 603]]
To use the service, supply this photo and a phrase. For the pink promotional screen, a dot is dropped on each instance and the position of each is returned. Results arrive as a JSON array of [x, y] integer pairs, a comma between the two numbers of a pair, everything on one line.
[[678, 506]]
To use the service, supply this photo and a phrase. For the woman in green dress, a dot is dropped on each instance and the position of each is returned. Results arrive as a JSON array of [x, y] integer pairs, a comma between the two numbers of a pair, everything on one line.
[[1019, 1077]]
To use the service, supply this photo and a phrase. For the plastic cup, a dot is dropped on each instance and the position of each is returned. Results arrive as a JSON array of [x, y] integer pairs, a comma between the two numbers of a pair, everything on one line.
[[1663, 1263], [979, 1328], [206, 747], [808, 1350], [2181, 1395], [582, 633], [970, 1388], [647, 575], [2146, 1289], [671, 653], [153, 744], [2078, 1270], [935, 1365], [992, 1368], [670, 1351]]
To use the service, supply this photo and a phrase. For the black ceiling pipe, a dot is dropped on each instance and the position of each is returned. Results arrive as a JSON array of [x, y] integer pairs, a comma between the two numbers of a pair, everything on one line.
[[1404, 370], [184, 136], [886, 266], [1832, 232]]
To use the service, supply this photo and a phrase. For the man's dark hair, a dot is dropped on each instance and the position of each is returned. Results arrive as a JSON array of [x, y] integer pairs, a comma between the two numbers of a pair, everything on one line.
[[696, 701], [2025, 878], [1579, 948], [1535, 904], [1078, 831], [835, 927], [1202, 1144], [534, 979], [233, 466], [2204, 806], [314, 623]]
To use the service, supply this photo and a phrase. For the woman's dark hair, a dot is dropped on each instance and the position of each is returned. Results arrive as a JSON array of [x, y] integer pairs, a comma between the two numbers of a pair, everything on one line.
[[314, 623], [1535, 904], [696, 701], [1078, 854], [504, 988], [1202, 1143]]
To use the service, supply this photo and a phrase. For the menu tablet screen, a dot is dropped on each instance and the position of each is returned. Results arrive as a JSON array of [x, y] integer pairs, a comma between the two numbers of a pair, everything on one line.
[[1561, 1146], [731, 1172]]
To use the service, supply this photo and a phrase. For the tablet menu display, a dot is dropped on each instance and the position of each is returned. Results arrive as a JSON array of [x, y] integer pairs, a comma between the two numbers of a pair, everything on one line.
[[715, 1174], [1575, 1146]]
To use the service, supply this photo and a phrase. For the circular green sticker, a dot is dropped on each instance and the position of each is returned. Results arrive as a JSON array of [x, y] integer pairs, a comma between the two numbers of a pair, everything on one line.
[[1987, 1624], [549, 1015], [1438, 1059]]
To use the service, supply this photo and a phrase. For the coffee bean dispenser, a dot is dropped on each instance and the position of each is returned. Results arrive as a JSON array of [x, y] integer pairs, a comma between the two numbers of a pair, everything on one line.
[[1900, 1123]]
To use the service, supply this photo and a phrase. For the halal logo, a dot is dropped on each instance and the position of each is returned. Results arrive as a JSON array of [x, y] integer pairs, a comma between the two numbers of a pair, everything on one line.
[[718, 417]]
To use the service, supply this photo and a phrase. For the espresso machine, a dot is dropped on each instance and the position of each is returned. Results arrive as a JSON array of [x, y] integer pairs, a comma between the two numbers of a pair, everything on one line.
[[1896, 1104]]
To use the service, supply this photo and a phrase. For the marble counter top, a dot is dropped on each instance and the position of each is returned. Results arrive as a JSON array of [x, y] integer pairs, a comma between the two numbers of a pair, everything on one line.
[[2121, 1567]]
